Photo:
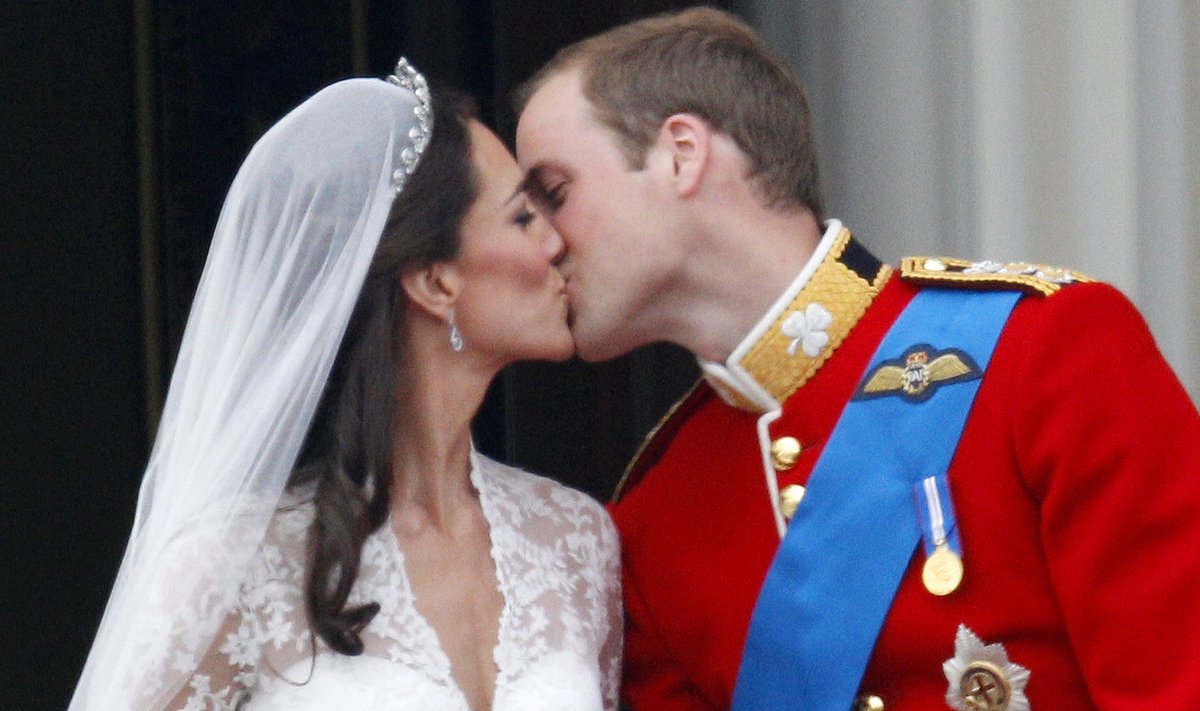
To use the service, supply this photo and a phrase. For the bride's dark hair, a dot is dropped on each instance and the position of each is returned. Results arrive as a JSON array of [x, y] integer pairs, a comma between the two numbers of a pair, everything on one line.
[[347, 452]]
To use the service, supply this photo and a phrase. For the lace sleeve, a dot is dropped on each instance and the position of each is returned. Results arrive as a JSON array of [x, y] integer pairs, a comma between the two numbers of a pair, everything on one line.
[[610, 650], [262, 626], [221, 680], [219, 601], [175, 652]]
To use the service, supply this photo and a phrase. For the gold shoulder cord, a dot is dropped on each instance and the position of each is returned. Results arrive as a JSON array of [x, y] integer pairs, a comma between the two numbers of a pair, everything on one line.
[[1026, 276]]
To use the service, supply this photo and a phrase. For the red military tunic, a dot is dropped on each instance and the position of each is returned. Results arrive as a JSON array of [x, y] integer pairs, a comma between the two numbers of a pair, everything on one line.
[[1077, 490]]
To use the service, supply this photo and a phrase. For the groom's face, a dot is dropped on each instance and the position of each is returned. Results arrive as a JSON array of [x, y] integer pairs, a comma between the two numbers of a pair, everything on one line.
[[611, 218]]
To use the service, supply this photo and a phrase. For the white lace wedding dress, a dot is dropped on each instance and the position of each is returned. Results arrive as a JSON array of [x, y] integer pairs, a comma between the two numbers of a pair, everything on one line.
[[556, 557]]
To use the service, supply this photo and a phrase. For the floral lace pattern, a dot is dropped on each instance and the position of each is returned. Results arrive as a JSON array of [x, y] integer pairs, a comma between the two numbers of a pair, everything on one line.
[[559, 645]]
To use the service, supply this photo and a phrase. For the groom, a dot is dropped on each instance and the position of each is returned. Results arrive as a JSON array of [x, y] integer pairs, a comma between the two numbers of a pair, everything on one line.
[[951, 483]]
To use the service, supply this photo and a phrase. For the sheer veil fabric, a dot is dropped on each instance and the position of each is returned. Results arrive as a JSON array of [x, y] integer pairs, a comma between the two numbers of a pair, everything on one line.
[[291, 250]]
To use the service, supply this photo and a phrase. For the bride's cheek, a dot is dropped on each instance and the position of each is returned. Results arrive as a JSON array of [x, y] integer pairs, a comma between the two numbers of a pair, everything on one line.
[[531, 273]]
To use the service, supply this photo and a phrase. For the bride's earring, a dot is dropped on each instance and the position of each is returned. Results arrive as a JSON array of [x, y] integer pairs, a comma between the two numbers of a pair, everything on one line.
[[456, 340]]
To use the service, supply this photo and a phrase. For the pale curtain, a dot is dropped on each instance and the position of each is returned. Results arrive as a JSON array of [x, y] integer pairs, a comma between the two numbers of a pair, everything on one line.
[[1065, 132]]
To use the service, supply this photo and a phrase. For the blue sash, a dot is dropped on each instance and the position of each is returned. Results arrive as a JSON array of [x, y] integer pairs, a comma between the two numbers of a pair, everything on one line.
[[834, 576]]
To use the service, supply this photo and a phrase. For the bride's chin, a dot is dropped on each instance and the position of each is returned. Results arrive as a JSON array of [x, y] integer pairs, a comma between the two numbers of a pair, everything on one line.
[[566, 348], [564, 337]]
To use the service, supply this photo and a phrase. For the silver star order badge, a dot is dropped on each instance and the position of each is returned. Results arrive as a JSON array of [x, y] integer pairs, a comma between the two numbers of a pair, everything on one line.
[[981, 677]]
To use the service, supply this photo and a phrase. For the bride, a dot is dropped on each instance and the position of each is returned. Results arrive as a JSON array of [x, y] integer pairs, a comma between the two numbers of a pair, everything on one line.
[[315, 529]]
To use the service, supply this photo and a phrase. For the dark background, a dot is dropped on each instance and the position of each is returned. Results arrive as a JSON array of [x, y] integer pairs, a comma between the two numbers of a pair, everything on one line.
[[122, 125]]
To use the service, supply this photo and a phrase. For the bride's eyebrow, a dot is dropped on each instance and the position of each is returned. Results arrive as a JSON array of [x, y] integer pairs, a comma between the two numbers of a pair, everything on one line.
[[521, 189]]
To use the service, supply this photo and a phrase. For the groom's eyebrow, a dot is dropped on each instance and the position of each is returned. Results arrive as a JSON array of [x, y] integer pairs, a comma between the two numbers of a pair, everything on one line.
[[531, 185]]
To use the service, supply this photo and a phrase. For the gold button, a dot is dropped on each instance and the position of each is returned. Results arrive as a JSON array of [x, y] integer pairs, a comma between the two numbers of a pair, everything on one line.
[[789, 499], [868, 702], [784, 452]]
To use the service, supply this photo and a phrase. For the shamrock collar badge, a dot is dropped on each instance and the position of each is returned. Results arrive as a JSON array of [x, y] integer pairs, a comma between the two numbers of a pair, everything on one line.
[[807, 329]]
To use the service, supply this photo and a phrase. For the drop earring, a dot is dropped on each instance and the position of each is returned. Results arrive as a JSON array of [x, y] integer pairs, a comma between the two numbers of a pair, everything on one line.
[[456, 340]]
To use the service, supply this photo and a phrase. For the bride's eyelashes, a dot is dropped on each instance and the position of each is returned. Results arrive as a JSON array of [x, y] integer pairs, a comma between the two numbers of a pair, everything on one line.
[[524, 217]]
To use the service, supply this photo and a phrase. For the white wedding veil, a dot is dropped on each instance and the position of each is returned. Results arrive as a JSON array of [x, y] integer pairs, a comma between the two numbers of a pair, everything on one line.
[[288, 258]]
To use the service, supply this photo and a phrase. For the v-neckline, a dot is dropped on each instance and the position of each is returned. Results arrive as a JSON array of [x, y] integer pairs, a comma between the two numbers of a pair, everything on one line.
[[444, 674]]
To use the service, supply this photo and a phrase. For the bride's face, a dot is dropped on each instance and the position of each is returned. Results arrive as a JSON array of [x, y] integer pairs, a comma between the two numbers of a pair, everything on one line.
[[513, 301]]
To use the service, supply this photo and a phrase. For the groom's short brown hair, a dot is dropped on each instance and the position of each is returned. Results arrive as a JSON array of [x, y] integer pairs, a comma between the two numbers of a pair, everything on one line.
[[704, 62]]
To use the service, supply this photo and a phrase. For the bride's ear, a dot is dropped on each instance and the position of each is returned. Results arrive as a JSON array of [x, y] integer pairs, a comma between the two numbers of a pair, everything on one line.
[[433, 288]]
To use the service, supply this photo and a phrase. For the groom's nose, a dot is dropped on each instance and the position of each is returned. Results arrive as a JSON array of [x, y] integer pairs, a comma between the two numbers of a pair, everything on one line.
[[553, 245]]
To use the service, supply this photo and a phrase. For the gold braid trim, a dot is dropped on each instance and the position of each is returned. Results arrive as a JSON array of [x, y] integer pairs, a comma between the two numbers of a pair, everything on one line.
[[837, 289]]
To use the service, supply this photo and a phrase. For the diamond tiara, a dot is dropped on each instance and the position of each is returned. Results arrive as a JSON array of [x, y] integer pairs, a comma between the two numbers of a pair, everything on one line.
[[407, 77]]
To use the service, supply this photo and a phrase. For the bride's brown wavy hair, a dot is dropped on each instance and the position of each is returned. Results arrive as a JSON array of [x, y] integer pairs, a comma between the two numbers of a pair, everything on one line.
[[347, 454]]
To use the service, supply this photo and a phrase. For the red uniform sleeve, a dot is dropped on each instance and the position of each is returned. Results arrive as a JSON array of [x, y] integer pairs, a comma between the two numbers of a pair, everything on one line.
[[653, 679], [1109, 442]]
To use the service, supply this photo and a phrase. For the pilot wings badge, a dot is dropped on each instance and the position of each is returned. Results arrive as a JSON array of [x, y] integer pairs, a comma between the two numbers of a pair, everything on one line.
[[918, 373]]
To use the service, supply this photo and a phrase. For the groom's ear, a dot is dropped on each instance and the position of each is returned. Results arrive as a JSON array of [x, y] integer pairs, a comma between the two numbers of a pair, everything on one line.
[[433, 288], [686, 141]]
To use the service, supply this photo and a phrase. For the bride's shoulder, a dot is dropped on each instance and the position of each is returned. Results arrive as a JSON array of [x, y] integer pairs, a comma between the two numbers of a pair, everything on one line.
[[292, 516], [542, 497], [240, 522]]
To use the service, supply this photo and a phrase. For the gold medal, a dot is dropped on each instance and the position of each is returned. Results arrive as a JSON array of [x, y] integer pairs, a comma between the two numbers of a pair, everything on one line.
[[943, 571]]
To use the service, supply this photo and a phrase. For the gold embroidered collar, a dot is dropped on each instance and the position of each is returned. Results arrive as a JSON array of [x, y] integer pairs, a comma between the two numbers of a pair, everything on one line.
[[804, 327]]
